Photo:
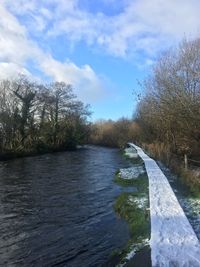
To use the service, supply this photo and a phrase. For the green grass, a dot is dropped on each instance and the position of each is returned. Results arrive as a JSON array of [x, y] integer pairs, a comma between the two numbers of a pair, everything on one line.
[[138, 221], [137, 160], [141, 182], [137, 218]]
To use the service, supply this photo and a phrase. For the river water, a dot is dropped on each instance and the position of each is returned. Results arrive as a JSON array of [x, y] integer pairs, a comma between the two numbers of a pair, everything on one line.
[[56, 209]]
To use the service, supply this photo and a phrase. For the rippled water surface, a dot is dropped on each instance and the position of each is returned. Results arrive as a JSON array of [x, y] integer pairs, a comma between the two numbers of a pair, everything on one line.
[[56, 209]]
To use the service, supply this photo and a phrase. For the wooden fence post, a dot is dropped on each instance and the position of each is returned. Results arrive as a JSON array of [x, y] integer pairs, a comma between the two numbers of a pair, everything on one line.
[[185, 161]]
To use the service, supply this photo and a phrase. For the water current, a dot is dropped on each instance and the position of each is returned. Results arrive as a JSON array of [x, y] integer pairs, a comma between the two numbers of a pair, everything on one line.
[[57, 209]]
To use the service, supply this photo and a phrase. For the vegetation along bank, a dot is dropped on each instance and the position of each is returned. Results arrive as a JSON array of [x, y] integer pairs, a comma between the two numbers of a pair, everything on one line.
[[167, 120], [133, 206], [38, 118]]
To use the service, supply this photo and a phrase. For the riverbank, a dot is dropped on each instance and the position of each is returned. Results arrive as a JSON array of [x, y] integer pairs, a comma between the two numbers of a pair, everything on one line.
[[134, 208], [4, 156]]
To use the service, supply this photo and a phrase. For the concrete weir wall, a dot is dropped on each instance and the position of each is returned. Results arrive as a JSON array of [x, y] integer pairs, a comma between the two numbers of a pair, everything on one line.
[[173, 240]]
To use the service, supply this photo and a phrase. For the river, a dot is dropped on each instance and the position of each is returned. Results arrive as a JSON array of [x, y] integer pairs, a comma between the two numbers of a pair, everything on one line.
[[56, 209]]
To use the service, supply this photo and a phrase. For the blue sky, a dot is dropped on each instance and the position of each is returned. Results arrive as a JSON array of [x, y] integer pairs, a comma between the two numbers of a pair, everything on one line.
[[101, 47]]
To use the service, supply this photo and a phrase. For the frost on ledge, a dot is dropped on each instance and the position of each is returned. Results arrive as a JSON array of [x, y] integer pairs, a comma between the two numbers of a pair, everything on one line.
[[173, 241]]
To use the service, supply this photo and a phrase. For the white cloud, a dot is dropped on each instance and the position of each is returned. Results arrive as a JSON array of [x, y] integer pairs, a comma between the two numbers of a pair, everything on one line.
[[16, 49], [142, 25], [14, 44], [89, 85], [11, 70]]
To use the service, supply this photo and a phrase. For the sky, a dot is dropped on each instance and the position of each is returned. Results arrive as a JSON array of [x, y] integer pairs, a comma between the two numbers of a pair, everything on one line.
[[104, 48]]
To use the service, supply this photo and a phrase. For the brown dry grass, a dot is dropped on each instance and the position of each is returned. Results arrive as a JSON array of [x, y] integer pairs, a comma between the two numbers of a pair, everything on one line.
[[190, 178]]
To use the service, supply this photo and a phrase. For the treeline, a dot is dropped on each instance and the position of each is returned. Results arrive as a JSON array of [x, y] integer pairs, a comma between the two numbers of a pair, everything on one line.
[[37, 118], [167, 120], [114, 133], [169, 112]]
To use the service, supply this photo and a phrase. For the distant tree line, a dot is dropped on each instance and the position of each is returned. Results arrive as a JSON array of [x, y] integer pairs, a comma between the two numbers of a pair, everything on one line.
[[40, 117], [114, 133]]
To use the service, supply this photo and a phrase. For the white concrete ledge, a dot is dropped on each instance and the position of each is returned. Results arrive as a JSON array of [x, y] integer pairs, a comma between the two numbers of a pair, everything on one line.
[[173, 240]]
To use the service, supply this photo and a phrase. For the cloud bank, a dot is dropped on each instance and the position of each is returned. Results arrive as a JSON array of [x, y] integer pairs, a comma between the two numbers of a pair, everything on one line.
[[123, 29], [17, 49]]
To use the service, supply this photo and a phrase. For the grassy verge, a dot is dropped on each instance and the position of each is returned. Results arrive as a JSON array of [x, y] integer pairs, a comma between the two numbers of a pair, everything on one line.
[[133, 207], [141, 182], [191, 181], [126, 206], [136, 160]]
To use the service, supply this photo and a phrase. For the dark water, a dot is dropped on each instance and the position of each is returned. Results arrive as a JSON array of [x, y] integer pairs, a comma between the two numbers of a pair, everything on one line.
[[56, 209]]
